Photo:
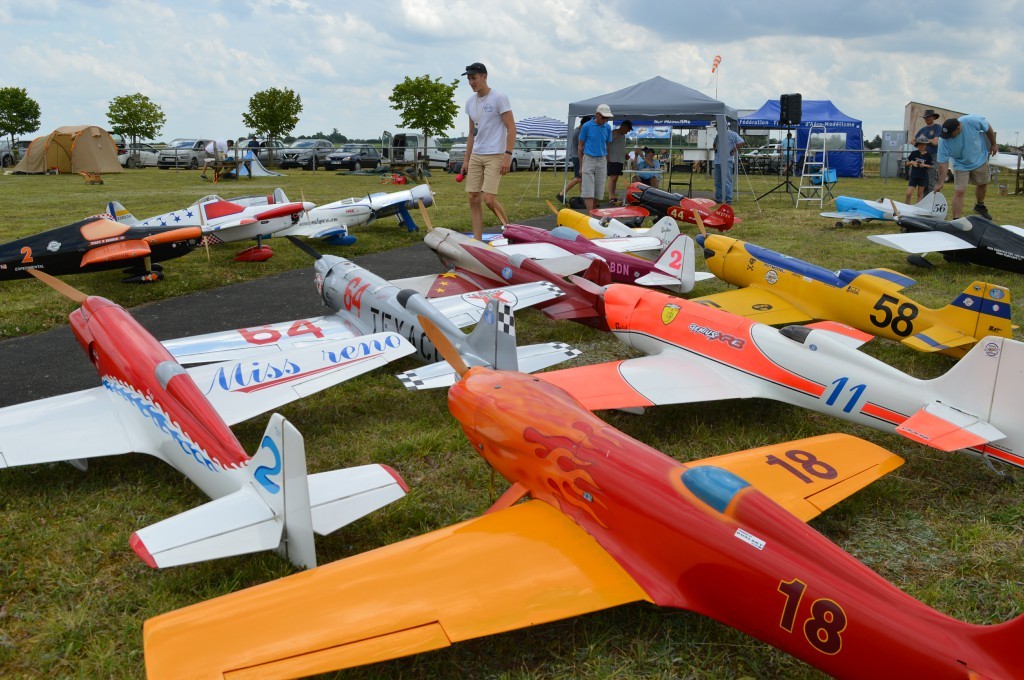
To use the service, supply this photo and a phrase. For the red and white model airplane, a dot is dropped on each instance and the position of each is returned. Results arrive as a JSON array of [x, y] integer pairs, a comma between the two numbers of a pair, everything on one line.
[[149, 403], [608, 521]]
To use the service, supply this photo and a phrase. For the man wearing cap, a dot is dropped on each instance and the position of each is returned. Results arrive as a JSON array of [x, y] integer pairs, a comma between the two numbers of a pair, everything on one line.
[[931, 131], [593, 149], [492, 136], [725, 163], [919, 163], [968, 141]]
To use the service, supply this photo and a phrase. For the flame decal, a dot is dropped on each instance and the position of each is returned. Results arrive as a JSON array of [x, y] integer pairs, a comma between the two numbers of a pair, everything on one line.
[[566, 472]]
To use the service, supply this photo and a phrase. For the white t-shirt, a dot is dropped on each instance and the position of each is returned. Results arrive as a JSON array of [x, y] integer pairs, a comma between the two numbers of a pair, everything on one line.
[[485, 112], [217, 145]]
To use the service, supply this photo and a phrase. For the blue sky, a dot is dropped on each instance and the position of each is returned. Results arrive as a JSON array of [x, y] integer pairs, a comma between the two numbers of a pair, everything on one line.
[[201, 61]]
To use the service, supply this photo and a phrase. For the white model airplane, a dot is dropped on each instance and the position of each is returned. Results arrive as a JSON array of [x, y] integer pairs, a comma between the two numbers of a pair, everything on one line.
[[856, 210], [225, 221], [362, 303], [148, 403]]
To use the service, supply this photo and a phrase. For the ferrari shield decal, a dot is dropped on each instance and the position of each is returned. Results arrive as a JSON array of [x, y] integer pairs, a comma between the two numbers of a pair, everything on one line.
[[669, 312]]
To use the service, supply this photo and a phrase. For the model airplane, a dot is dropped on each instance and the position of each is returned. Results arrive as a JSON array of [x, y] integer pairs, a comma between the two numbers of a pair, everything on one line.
[[331, 221], [971, 239], [698, 353], [608, 521], [672, 269], [149, 404], [98, 244], [225, 222], [853, 211], [778, 289], [363, 303], [645, 200], [605, 227]]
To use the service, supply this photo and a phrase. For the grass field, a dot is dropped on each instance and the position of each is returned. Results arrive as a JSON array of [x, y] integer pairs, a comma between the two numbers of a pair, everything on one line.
[[73, 596]]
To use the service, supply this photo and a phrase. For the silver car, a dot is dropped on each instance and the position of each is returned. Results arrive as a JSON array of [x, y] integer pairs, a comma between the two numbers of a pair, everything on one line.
[[183, 153]]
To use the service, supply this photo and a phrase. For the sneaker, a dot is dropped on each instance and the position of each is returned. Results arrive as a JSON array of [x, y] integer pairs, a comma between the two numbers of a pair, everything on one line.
[[980, 209], [561, 198]]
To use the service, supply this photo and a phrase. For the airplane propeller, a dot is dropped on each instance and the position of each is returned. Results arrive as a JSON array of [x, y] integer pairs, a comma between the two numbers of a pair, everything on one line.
[[552, 207], [304, 247], [426, 216], [895, 211], [59, 286], [443, 345], [703, 232]]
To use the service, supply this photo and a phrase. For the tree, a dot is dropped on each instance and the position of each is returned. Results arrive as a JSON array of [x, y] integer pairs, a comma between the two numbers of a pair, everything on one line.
[[875, 143], [135, 116], [425, 104], [274, 113], [19, 113]]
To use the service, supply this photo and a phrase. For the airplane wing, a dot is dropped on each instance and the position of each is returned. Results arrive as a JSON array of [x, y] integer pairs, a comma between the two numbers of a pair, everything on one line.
[[530, 359], [758, 304], [629, 244], [466, 309], [842, 465], [521, 566], [921, 241], [243, 342], [67, 427], [536, 251], [948, 429], [850, 215], [240, 390], [649, 381], [938, 338]]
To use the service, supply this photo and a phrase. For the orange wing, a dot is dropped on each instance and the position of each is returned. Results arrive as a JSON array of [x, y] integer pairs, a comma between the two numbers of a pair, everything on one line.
[[517, 567]]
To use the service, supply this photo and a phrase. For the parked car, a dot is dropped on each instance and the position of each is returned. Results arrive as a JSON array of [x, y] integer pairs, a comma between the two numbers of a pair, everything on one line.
[[536, 145], [306, 153], [139, 155], [10, 158], [522, 157], [553, 156], [183, 153], [262, 149], [353, 157], [119, 141], [408, 146], [456, 155]]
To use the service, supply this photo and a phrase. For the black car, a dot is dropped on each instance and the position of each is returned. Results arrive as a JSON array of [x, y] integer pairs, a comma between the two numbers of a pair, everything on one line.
[[353, 157], [306, 153]]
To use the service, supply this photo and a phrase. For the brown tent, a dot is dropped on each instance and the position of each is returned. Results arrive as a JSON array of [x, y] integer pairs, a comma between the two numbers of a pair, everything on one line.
[[75, 148]]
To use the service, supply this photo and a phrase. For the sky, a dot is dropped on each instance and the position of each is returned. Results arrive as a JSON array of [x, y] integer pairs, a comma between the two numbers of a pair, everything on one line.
[[201, 61]]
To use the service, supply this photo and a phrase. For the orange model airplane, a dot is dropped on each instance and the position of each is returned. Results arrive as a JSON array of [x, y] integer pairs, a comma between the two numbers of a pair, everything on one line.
[[609, 520]]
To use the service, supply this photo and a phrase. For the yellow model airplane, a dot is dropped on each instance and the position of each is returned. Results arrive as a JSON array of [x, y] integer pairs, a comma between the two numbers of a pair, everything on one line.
[[777, 289]]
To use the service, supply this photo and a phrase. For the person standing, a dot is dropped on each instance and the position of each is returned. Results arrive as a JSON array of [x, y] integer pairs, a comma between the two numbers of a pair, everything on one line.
[[725, 165], [931, 131], [492, 136], [967, 141], [919, 163], [617, 159], [572, 153], [593, 150]]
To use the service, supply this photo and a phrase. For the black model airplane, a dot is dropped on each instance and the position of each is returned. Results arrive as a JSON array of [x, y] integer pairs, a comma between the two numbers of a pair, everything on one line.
[[971, 239], [98, 243]]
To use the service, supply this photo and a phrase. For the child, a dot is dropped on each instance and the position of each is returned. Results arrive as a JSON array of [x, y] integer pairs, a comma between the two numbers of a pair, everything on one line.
[[919, 162]]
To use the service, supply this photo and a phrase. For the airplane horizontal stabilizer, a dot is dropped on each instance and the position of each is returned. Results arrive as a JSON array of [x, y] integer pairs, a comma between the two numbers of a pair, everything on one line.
[[89, 427], [340, 497], [842, 466], [242, 343], [531, 358], [630, 244], [851, 215], [948, 429], [918, 242], [242, 389], [938, 338], [655, 279], [521, 566], [466, 309]]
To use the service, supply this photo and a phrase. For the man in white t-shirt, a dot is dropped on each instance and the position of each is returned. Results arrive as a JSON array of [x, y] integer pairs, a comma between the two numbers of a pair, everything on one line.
[[217, 148], [492, 136]]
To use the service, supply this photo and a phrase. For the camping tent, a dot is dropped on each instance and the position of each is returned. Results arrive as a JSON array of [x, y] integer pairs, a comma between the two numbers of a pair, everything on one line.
[[847, 162], [71, 149], [540, 126]]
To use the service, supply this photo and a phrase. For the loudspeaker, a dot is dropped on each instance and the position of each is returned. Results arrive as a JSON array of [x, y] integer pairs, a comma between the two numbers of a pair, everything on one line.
[[790, 109]]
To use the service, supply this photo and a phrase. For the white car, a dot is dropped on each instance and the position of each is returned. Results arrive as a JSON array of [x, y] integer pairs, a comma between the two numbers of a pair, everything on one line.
[[522, 157], [553, 156], [139, 155]]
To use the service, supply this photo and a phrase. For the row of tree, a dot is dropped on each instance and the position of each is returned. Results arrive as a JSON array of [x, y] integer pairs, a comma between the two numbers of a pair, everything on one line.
[[423, 103]]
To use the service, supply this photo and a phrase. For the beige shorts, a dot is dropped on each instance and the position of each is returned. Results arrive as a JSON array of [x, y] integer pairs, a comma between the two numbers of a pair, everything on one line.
[[484, 173], [979, 176]]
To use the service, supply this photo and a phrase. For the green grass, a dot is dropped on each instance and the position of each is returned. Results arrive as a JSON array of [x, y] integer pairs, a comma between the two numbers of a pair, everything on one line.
[[73, 596]]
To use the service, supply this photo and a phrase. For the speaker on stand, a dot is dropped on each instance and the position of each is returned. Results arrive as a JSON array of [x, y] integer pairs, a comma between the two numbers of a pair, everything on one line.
[[790, 113]]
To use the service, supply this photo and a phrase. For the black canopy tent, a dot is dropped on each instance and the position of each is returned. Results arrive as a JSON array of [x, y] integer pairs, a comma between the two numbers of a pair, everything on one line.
[[662, 100]]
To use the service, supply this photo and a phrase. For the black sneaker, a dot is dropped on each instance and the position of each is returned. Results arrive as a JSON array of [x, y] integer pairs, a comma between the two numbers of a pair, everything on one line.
[[561, 198], [980, 209]]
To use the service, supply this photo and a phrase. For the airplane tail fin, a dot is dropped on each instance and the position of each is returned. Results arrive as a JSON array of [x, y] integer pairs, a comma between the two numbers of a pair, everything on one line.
[[121, 214], [982, 309], [278, 508], [725, 213], [934, 204], [665, 230], [677, 266], [279, 197]]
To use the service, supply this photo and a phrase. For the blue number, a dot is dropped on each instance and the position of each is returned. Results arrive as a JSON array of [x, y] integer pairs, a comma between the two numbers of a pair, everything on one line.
[[840, 384], [263, 472]]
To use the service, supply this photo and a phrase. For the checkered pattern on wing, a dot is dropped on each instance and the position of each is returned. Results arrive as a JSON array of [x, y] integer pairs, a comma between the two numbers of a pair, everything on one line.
[[552, 287], [506, 320], [211, 240], [410, 381], [569, 350]]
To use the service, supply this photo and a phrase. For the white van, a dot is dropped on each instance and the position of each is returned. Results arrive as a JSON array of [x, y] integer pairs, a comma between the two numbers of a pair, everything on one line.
[[408, 146]]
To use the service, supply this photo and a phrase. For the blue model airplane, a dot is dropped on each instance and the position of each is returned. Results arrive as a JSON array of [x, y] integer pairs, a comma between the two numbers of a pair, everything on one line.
[[853, 211]]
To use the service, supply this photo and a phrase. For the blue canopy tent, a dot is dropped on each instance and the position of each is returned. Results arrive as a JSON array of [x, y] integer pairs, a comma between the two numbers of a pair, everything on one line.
[[541, 126], [848, 162]]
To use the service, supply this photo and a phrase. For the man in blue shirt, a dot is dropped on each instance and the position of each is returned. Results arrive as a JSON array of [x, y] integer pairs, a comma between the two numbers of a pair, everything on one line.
[[725, 165], [593, 150], [968, 141]]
